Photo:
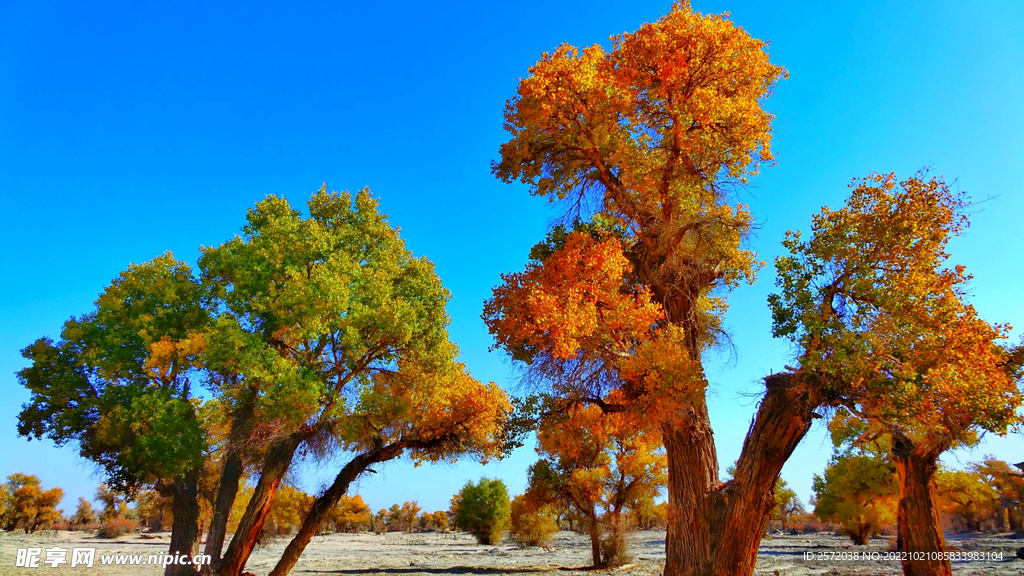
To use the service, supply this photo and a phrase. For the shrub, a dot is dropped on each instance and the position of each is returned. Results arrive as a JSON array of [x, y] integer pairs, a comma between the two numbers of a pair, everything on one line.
[[116, 527], [614, 548], [531, 525], [484, 510]]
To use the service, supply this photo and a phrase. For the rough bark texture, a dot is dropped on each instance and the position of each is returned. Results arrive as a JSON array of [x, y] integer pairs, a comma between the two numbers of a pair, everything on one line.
[[226, 492], [692, 484], [920, 530], [323, 505], [185, 530], [595, 545], [227, 488], [275, 465], [746, 502], [715, 528]]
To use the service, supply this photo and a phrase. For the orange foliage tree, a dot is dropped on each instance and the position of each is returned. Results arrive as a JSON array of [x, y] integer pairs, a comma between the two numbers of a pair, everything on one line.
[[652, 134], [351, 514], [601, 466], [884, 324]]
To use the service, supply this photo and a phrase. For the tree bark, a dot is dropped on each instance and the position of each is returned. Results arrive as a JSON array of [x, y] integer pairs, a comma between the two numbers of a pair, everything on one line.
[[714, 528], [744, 504], [231, 475], [323, 505], [227, 490], [595, 545], [185, 528], [692, 485], [275, 465], [920, 530]]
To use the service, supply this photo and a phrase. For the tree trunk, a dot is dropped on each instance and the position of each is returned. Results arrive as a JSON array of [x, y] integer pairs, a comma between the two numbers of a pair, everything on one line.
[[595, 544], [692, 485], [227, 490], [185, 528], [920, 531], [275, 465], [745, 503], [323, 505], [1014, 518], [231, 475]]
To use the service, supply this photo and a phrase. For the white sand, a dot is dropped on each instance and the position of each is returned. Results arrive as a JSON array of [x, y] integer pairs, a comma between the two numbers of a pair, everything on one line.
[[434, 554]]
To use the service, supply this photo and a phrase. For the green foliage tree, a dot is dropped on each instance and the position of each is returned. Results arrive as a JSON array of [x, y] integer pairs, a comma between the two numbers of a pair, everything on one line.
[[119, 384], [484, 510], [321, 332], [858, 491], [351, 328]]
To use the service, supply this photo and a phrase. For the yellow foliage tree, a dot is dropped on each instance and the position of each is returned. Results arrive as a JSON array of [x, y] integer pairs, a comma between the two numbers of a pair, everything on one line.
[[27, 505], [351, 514], [531, 524]]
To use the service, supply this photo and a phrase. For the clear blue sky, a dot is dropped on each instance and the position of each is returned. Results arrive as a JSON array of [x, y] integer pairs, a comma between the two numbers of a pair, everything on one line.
[[128, 129]]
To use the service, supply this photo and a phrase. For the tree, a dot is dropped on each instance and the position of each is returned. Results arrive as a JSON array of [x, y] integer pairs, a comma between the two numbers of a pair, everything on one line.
[[27, 505], [884, 325], [787, 504], [436, 521], [1009, 485], [120, 385], [154, 510], [599, 465], [531, 524], [47, 512], [966, 498], [321, 332], [484, 510], [403, 518], [351, 514], [114, 503], [347, 330], [84, 514], [649, 515], [652, 135], [858, 491]]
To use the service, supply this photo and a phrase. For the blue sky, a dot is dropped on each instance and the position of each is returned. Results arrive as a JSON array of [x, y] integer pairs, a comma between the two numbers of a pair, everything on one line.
[[128, 129]]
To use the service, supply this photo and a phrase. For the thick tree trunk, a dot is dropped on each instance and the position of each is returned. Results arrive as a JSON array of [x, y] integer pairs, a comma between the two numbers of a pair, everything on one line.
[[745, 503], [692, 485], [323, 505], [275, 465], [716, 529], [230, 477], [185, 528], [227, 490], [920, 530]]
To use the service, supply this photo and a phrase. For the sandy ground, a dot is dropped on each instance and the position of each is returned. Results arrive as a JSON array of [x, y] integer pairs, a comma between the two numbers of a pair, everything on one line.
[[433, 554]]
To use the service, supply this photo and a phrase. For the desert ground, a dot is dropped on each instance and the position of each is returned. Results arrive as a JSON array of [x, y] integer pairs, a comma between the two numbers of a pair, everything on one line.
[[437, 554]]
